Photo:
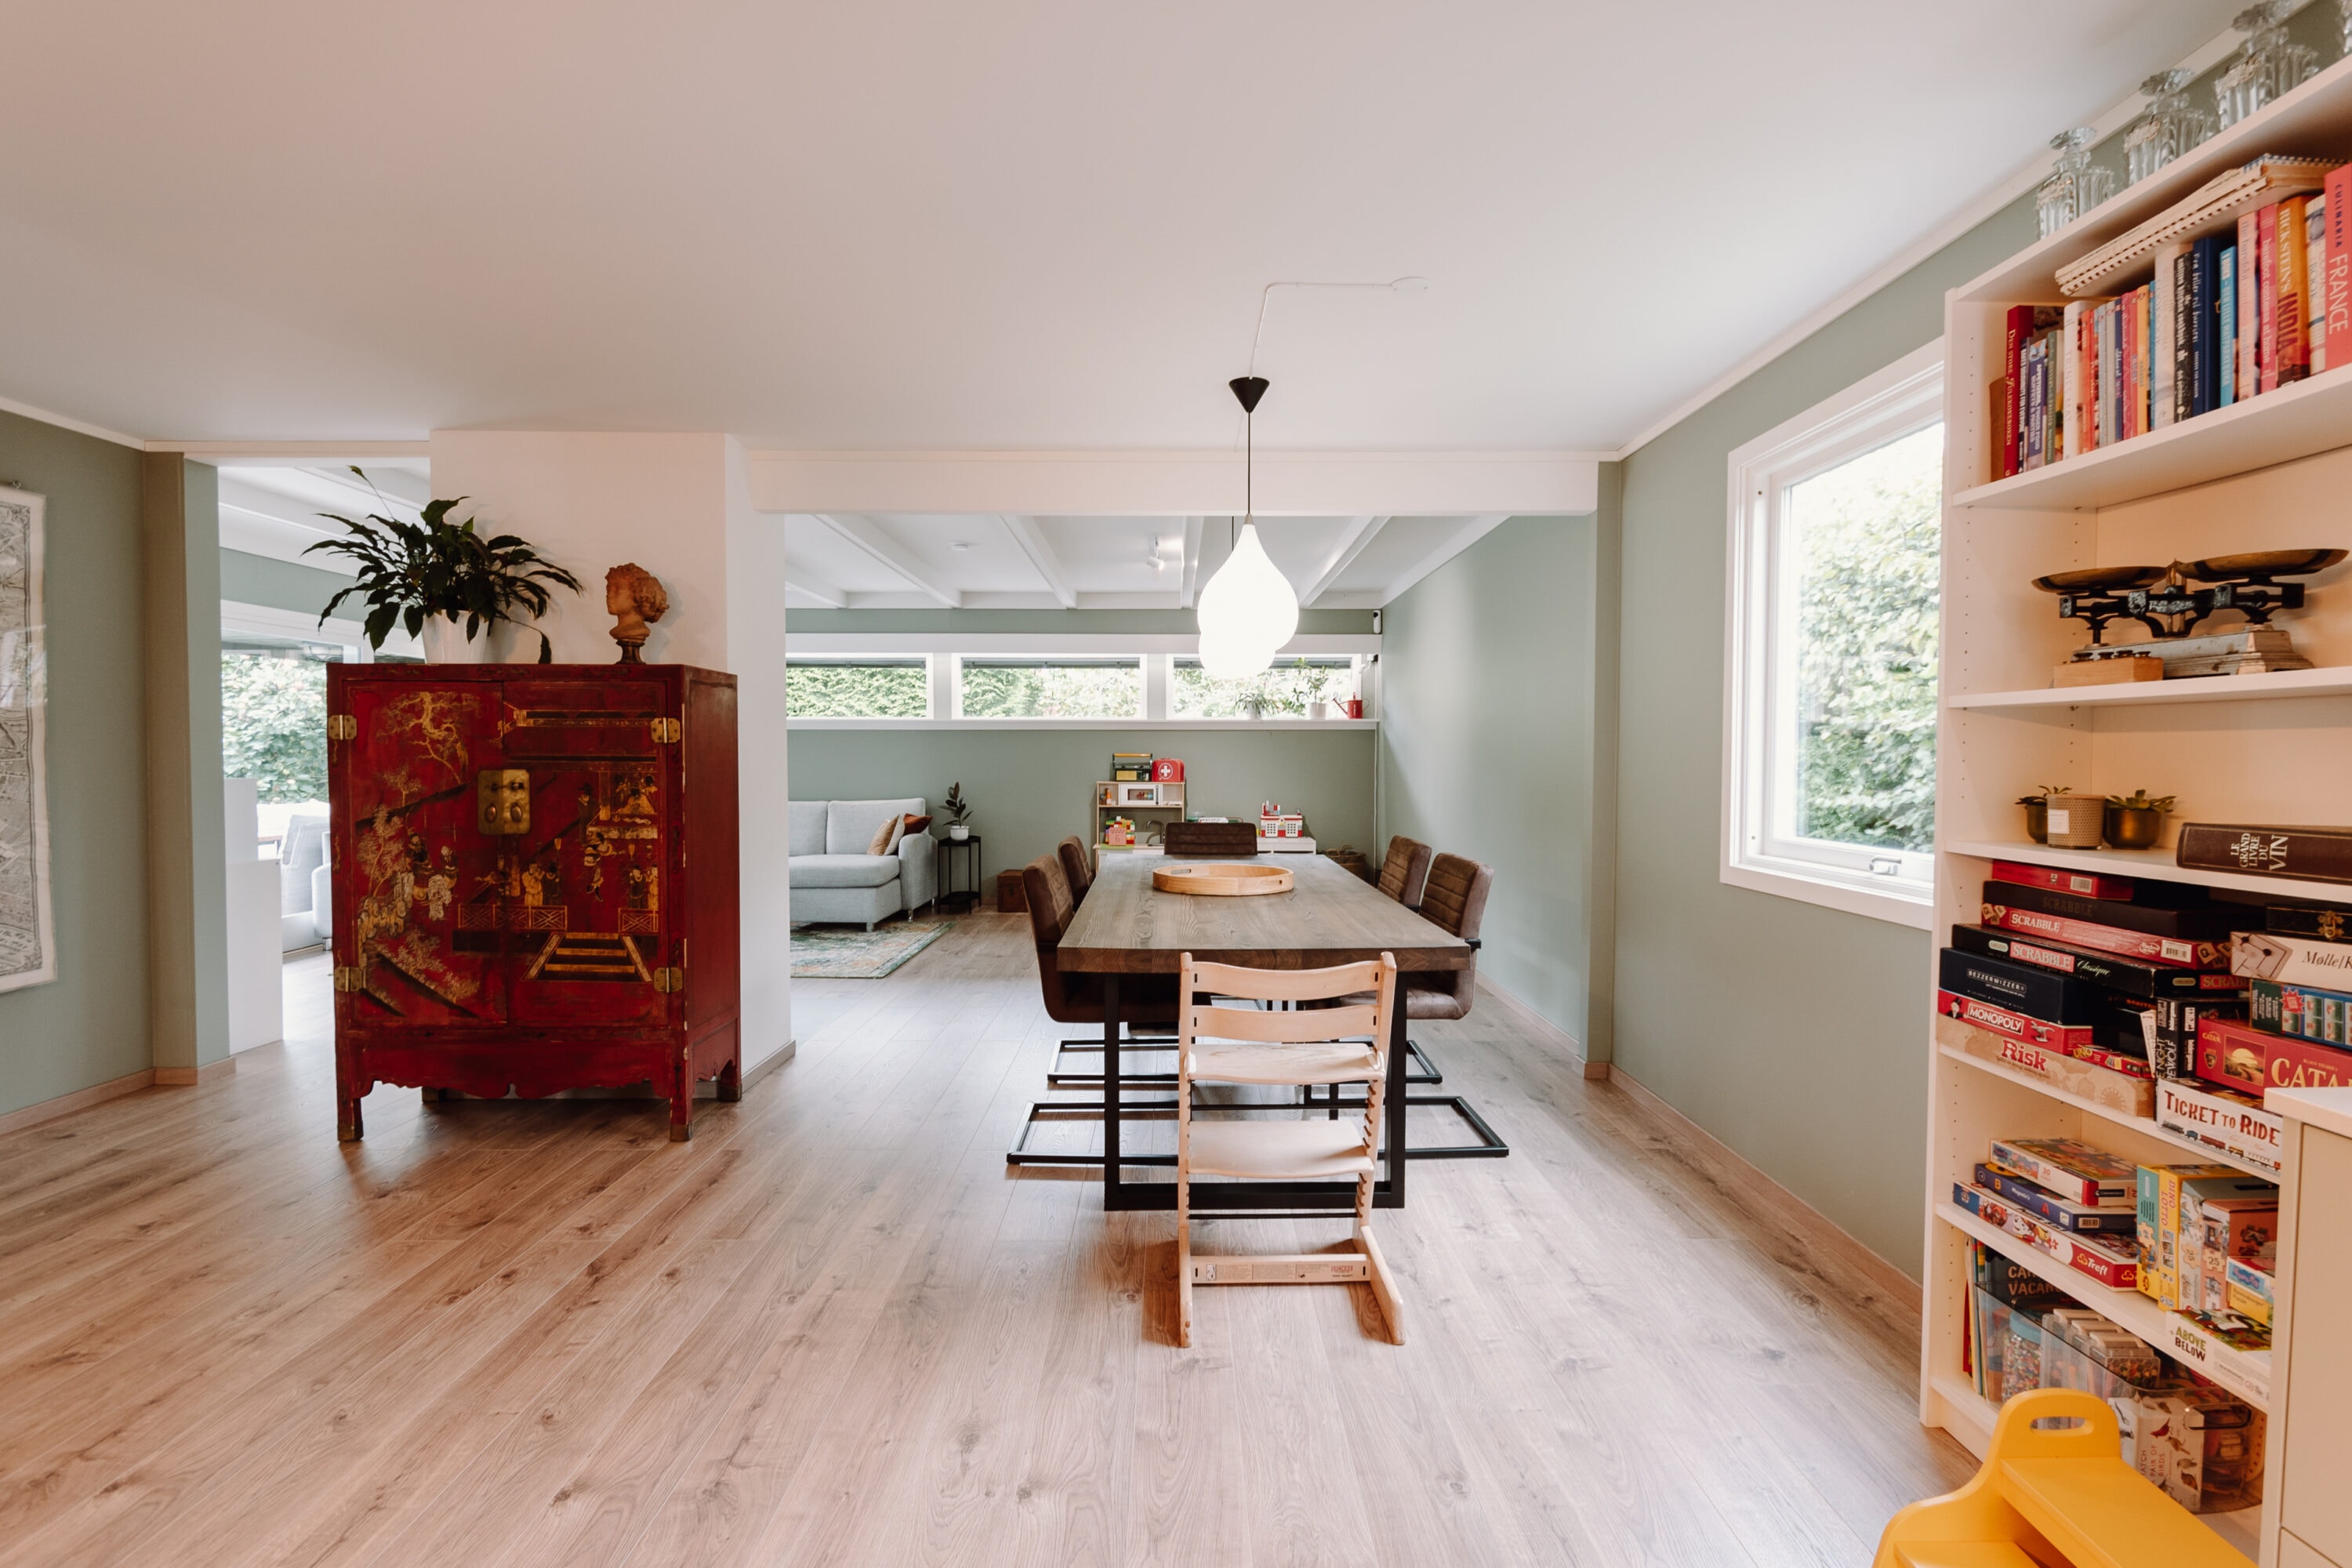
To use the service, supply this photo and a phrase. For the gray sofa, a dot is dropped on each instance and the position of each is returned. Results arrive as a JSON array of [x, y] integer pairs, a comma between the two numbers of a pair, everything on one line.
[[304, 903], [833, 878]]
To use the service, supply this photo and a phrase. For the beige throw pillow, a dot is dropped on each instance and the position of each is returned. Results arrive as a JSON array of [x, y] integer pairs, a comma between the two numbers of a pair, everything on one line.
[[886, 837]]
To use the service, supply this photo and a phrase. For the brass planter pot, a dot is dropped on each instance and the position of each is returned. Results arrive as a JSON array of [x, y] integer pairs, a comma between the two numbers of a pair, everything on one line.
[[2133, 827], [2037, 820]]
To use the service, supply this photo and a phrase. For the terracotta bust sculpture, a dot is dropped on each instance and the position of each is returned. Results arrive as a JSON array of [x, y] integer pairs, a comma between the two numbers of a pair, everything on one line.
[[636, 595]]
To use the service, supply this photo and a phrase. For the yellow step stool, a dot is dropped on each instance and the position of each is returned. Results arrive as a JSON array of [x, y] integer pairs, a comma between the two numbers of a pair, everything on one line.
[[2053, 1497]]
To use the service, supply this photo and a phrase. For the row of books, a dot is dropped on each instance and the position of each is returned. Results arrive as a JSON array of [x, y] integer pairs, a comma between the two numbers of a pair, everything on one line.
[[2225, 315]]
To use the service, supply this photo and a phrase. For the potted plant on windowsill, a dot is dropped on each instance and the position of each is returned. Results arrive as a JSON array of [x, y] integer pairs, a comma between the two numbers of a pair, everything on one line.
[[443, 581], [957, 811]]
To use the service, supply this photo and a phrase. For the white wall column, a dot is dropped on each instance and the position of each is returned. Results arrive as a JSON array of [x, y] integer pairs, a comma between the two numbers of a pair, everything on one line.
[[679, 506]]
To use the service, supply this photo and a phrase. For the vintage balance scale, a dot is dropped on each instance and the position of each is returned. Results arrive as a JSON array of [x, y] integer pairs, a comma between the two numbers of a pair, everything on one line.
[[2162, 599]]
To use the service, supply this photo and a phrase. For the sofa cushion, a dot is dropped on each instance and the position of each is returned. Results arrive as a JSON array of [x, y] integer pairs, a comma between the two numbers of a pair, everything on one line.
[[842, 870], [849, 825], [886, 837], [807, 827]]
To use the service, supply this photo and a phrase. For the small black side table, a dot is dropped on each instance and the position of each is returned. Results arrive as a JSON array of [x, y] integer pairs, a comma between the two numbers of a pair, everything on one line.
[[948, 896]]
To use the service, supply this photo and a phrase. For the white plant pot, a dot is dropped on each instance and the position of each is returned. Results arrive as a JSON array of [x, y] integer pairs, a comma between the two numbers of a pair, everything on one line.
[[1318, 710], [959, 831], [445, 642]]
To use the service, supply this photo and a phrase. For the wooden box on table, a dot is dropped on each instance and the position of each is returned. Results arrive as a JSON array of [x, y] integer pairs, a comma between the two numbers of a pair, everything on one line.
[[535, 880]]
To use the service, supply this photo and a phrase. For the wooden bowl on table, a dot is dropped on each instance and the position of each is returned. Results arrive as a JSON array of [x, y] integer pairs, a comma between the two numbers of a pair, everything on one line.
[[1224, 881]]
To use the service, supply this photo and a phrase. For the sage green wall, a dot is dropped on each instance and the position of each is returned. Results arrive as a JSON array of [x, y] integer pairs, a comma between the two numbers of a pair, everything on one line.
[[1485, 743], [187, 865], [1791, 1032], [249, 579], [1030, 788], [89, 1024]]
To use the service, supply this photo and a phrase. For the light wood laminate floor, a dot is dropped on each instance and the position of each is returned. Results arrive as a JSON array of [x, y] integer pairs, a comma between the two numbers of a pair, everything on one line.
[[833, 1329]]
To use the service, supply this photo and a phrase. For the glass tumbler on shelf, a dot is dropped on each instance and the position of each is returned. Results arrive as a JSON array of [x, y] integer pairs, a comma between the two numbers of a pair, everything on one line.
[[2172, 125], [2076, 186], [2268, 65]]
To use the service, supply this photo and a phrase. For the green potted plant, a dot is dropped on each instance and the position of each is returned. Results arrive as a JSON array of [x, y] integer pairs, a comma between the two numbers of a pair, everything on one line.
[[957, 810], [1314, 683], [2136, 821], [444, 582], [2037, 811]]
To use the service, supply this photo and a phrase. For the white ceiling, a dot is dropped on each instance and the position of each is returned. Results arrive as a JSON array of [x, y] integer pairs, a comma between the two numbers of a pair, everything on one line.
[[917, 225], [276, 510], [872, 561]]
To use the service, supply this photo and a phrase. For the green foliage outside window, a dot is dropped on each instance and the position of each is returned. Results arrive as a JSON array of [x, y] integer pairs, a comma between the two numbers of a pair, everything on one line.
[[1281, 692], [818, 690], [274, 724], [1863, 542], [1109, 689]]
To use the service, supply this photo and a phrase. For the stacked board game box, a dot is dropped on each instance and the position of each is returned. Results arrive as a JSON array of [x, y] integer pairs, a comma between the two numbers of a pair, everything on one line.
[[2073, 972]]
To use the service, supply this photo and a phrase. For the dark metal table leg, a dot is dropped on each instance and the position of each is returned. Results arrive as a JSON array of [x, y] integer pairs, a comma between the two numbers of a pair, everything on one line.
[[1112, 1187]]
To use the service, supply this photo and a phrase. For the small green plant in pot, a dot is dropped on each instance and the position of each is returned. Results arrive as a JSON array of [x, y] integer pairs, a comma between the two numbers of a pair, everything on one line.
[[2136, 821], [437, 578], [2037, 811], [957, 811]]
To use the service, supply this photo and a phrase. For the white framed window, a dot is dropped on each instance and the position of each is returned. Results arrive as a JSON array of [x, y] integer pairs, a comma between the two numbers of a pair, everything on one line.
[[858, 686], [1069, 679], [1049, 686], [1831, 583]]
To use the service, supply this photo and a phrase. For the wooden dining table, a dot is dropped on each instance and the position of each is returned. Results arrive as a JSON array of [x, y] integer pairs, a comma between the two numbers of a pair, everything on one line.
[[1127, 926]]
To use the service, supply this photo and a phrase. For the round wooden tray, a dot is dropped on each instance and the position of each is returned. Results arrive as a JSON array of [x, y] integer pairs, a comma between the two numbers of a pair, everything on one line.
[[1224, 881]]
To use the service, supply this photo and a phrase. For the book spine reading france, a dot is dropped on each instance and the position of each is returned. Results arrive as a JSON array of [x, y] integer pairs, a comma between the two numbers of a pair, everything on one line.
[[2231, 313]]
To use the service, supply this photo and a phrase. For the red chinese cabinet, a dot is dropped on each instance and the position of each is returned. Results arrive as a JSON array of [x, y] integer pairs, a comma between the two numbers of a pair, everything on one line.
[[534, 879]]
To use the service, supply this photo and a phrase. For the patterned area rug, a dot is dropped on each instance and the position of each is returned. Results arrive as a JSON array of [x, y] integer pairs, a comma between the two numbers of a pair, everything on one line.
[[845, 953]]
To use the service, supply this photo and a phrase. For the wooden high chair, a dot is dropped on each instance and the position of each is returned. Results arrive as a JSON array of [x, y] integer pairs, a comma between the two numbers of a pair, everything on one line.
[[1312, 1046]]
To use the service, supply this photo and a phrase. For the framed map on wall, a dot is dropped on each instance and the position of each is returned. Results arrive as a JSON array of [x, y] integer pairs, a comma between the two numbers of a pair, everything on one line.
[[27, 946]]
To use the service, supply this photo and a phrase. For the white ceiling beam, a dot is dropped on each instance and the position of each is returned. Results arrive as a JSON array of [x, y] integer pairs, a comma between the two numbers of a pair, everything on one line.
[[1472, 531], [1359, 532], [808, 588], [1175, 483], [1040, 550], [863, 533], [1184, 595]]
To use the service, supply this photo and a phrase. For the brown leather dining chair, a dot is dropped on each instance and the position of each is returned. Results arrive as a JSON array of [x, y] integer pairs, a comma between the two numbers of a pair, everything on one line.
[[1076, 869], [1145, 1003], [1404, 871], [1453, 900]]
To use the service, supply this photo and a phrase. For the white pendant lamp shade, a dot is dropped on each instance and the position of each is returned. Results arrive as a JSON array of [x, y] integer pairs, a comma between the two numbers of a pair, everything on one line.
[[1248, 610]]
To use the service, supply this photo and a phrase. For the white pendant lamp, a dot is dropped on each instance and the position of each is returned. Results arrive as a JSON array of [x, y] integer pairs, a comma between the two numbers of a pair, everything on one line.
[[1248, 610]]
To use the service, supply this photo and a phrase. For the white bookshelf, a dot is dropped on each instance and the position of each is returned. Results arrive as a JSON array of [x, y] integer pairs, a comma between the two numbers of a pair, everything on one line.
[[2273, 473]]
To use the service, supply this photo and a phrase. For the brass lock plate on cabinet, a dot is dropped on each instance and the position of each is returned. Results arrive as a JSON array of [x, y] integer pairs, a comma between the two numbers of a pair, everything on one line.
[[502, 801]]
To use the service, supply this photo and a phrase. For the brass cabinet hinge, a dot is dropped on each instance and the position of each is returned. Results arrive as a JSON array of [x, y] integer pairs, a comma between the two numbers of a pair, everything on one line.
[[342, 727], [349, 979], [664, 731], [669, 980]]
